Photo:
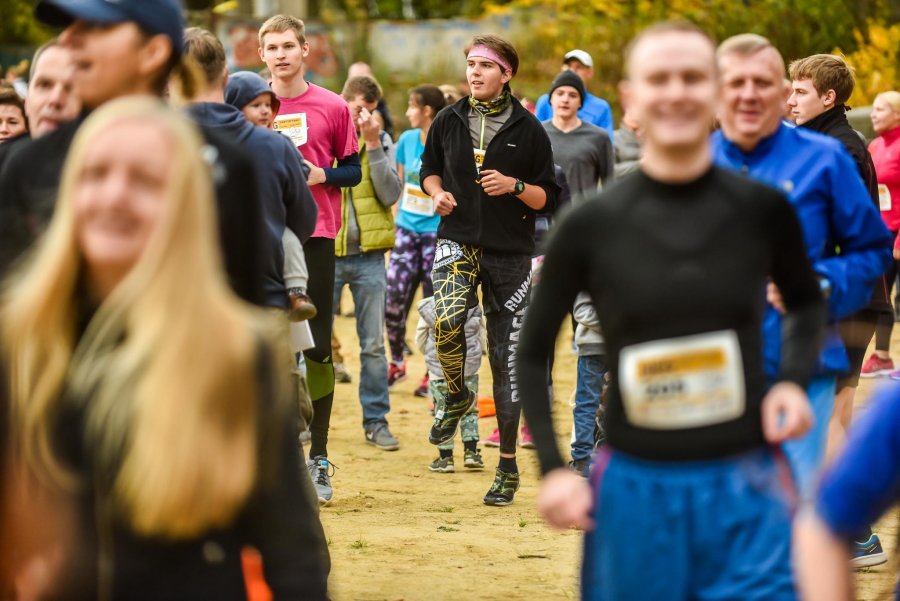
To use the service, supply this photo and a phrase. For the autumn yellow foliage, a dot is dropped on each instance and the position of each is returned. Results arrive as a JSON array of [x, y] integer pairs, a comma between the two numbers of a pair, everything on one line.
[[798, 28], [876, 62]]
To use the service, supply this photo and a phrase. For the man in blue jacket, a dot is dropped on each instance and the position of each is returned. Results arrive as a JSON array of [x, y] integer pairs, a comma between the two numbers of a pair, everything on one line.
[[846, 240]]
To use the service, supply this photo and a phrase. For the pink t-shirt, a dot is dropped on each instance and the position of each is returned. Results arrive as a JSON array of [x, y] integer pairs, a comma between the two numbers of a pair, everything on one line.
[[319, 124]]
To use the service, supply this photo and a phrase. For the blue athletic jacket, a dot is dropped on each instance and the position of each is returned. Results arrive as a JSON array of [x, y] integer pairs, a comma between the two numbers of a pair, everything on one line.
[[845, 237]]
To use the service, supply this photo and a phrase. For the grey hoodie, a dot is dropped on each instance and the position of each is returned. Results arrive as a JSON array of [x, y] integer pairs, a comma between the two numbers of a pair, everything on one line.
[[588, 337], [425, 339]]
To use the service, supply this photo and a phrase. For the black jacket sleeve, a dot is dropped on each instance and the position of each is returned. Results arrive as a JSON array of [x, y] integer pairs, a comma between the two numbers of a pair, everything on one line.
[[14, 233], [542, 166], [433, 155], [562, 277], [347, 174], [240, 216], [282, 519]]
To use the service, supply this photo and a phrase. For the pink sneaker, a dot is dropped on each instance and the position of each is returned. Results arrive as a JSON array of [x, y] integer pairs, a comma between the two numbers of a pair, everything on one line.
[[396, 373], [875, 367], [494, 439], [527, 440]]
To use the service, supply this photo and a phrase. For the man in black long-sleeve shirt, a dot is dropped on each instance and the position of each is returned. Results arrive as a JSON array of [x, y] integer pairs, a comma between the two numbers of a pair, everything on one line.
[[686, 468]]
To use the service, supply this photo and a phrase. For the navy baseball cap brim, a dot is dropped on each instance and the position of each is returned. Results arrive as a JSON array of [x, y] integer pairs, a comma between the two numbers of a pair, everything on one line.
[[152, 16]]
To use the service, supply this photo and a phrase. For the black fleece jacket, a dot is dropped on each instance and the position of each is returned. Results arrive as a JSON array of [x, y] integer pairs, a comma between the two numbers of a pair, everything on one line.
[[520, 149], [834, 123]]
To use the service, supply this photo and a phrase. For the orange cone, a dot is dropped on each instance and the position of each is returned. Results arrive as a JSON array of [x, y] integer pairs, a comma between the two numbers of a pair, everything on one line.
[[486, 406]]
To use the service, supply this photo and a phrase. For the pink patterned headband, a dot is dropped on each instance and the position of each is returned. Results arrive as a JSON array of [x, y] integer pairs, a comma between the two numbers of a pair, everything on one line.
[[482, 51]]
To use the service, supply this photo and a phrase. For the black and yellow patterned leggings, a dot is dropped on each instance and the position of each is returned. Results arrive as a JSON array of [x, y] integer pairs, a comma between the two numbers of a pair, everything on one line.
[[505, 281]]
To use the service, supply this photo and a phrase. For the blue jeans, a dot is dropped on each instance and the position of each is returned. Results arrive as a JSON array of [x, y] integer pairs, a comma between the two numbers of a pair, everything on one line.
[[716, 530], [807, 453], [591, 369], [365, 275]]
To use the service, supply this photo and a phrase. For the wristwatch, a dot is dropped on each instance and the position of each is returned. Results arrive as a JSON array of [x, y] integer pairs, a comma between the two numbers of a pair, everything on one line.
[[520, 187]]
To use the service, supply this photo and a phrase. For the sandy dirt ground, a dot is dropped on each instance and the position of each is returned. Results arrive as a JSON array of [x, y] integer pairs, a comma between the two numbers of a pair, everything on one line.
[[397, 531]]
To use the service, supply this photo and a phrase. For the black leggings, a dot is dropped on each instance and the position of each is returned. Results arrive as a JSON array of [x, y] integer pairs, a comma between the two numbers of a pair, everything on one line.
[[505, 288], [886, 318], [319, 369], [856, 333]]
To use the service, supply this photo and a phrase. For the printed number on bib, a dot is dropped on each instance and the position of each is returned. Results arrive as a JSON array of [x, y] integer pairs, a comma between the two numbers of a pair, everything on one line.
[[294, 126], [884, 197], [687, 382], [416, 201], [479, 161]]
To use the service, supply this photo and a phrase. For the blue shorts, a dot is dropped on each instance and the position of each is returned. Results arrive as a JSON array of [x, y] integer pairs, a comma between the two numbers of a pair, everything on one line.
[[709, 530], [807, 454]]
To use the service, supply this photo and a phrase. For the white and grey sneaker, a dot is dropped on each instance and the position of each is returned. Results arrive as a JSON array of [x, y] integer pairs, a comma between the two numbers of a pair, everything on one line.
[[380, 436], [473, 460], [443, 465], [320, 471]]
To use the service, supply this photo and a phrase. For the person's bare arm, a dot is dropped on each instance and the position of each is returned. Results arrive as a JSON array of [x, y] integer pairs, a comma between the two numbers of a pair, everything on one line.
[[786, 413], [495, 183], [565, 500], [821, 561]]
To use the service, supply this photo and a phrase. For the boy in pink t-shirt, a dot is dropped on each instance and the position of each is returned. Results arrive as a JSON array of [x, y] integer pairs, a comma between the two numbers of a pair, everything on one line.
[[318, 122], [320, 125]]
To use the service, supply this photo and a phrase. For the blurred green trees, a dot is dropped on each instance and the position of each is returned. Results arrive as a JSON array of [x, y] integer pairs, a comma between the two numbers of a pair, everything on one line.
[[17, 25]]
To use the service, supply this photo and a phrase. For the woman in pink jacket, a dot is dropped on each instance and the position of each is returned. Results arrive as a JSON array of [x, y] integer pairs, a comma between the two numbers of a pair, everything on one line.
[[885, 151]]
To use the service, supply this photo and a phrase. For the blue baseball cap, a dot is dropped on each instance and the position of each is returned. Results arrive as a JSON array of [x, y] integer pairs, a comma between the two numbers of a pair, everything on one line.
[[152, 16]]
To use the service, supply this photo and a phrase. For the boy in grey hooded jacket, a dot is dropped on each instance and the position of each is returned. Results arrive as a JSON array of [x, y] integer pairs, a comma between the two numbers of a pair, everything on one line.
[[589, 385], [437, 385]]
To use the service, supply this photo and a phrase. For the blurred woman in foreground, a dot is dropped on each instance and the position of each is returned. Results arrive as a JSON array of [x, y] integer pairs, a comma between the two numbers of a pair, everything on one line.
[[144, 393]]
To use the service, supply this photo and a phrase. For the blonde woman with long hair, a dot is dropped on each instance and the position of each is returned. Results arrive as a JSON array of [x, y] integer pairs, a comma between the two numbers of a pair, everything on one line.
[[144, 390]]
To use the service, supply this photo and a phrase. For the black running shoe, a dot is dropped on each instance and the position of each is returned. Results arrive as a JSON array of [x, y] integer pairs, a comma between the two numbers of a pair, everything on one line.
[[503, 489], [447, 421]]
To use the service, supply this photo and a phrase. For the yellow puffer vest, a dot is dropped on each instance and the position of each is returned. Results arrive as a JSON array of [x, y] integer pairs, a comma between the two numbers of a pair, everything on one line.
[[375, 221]]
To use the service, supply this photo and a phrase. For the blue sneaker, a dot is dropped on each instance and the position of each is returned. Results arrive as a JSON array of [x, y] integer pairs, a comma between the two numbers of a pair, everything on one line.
[[868, 553]]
